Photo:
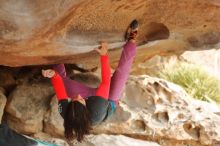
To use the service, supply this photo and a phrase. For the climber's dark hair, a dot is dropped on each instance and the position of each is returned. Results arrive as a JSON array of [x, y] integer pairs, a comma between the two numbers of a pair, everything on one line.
[[77, 118]]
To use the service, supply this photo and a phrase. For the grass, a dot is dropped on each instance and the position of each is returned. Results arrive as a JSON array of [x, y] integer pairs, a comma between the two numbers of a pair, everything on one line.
[[195, 80]]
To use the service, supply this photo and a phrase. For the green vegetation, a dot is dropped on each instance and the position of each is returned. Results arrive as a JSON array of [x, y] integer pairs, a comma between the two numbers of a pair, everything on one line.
[[196, 81]]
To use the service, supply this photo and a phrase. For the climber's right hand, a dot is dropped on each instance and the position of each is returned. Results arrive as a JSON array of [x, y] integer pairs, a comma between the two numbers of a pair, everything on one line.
[[102, 49]]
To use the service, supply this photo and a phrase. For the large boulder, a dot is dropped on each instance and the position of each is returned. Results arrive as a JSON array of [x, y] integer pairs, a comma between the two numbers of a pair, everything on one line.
[[27, 105], [159, 109], [154, 109], [39, 32]]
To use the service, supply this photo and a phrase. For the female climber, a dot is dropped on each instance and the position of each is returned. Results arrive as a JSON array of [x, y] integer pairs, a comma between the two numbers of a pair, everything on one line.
[[82, 107]]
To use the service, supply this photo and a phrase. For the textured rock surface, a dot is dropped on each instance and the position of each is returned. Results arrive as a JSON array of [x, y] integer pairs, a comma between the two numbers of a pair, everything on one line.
[[158, 110], [26, 107], [154, 65], [151, 109], [7, 80], [53, 122], [2, 103], [39, 32], [114, 140], [98, 140], [166, 106]]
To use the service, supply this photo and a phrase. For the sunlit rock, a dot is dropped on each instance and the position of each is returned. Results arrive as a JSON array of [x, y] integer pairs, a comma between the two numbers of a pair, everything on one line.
[[58, 31]]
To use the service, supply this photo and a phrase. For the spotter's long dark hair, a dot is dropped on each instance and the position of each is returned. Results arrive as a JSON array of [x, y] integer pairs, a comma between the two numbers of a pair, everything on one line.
[[77, 118]]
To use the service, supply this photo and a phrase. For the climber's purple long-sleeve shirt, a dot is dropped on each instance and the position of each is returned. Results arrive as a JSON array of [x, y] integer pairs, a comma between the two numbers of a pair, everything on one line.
[[102, 90], [71, 88]]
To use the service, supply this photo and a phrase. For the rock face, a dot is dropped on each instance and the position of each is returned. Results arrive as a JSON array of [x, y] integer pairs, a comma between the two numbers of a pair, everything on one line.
[[67, 31], [161, 109], [2, 103], [53, 122], [98, 140], [26, 107], [7, 80], [167, 106], [114, 140], [151, 109]]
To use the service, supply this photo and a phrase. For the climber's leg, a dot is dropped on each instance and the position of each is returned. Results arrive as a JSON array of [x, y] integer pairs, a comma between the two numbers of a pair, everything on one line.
[[121, 73]]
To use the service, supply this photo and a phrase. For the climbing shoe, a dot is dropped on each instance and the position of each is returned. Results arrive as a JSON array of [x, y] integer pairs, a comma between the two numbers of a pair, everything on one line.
[[132, 30]]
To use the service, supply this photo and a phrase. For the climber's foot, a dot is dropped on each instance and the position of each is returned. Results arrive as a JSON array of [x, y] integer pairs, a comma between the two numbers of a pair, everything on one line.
[[132, 31]]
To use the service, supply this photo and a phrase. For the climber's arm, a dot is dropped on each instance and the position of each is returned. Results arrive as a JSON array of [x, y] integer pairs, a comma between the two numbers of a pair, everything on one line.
[[103, 89], [57, 83], [59, 87]]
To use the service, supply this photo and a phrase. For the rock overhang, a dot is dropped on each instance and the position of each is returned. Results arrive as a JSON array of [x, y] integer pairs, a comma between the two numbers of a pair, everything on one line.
[[35, 33]]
